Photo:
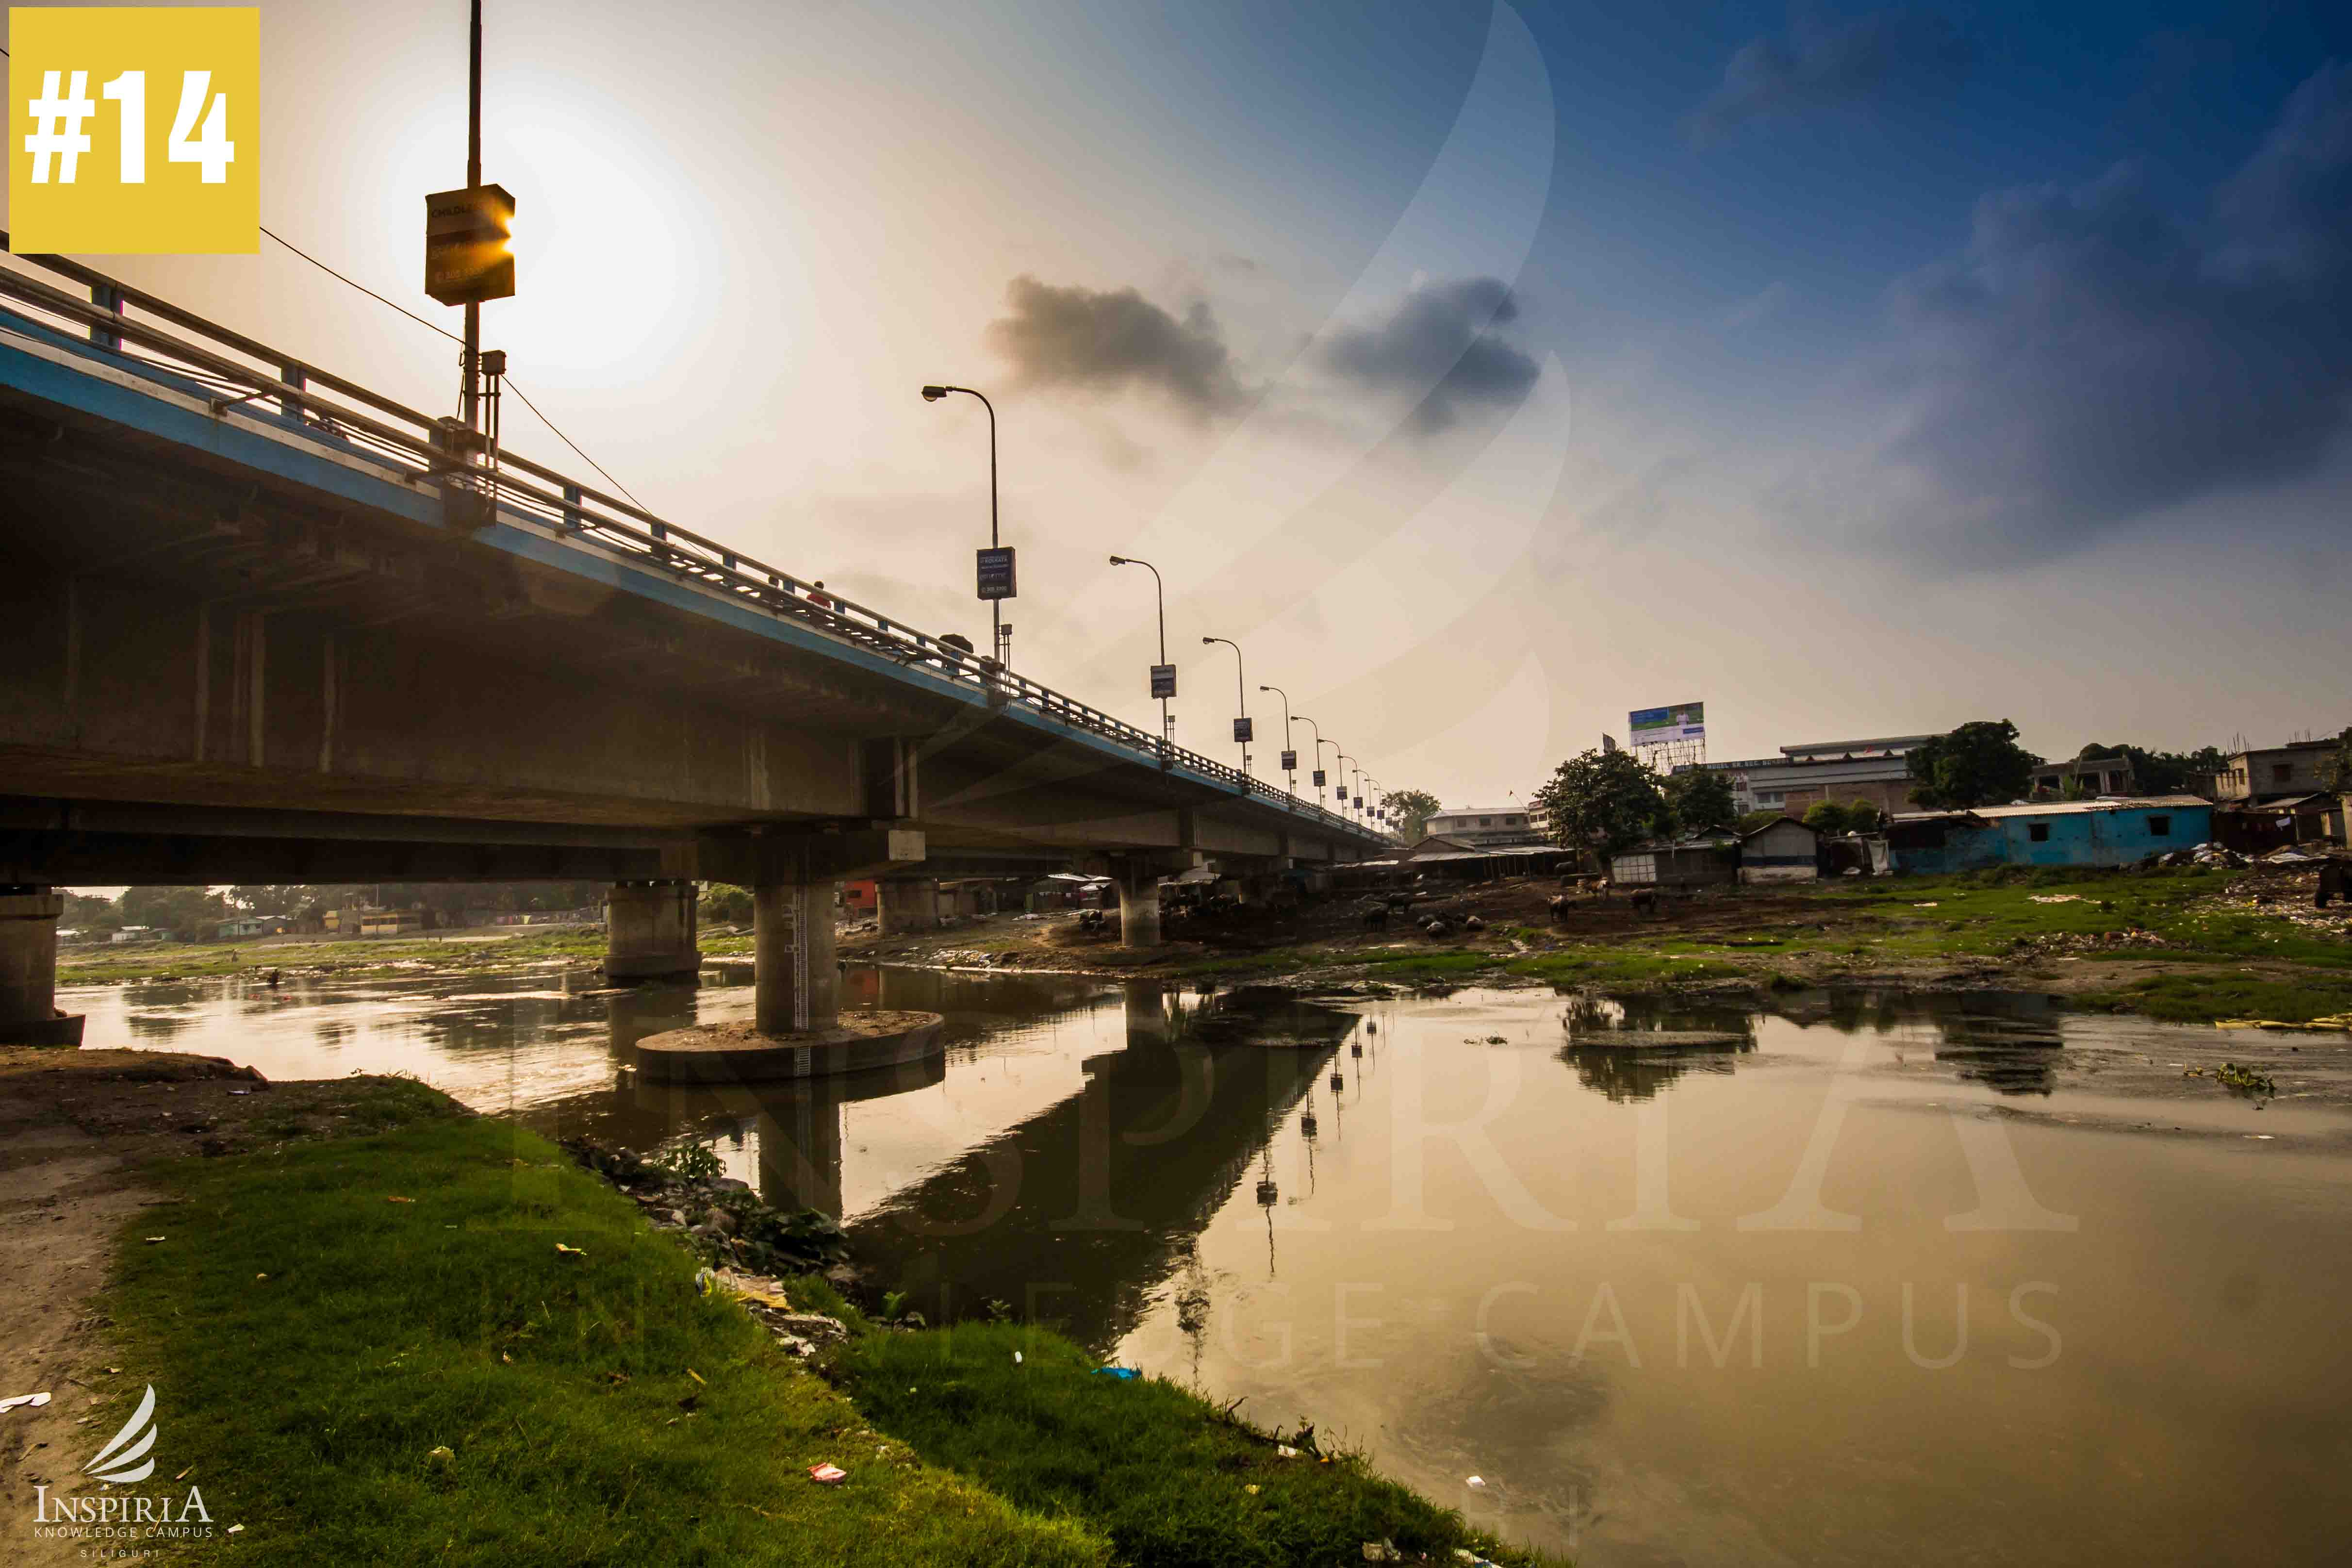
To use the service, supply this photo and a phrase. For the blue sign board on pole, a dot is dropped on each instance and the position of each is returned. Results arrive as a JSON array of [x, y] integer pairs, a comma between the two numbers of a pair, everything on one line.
[[1318, 778], [996, 575], [1290, 762], [1242, 731], [1163, 680]]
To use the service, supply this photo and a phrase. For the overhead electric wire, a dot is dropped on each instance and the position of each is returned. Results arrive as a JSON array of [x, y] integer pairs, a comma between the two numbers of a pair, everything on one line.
[[361, 286], [454, 338]]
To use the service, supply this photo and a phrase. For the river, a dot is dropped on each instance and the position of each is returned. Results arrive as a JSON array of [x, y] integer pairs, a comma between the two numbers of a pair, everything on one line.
[[1848, 1280]]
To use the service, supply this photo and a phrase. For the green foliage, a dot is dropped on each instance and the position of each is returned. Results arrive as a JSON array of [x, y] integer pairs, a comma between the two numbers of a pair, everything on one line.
[[1980, 764], [190, 914], [1862, 817], [1750, 821], [312, 1344], [1606, 800], [1416, 808], [1154, 1466], [1827, 817], [1701, 798], [724, 903], [690, 1162]]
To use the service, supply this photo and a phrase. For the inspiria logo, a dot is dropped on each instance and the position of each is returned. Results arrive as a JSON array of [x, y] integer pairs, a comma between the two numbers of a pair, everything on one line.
[[109, 1515]]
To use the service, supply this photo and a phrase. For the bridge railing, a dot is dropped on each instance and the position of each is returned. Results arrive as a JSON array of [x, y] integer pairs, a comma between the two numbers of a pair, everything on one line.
[[125, 325]]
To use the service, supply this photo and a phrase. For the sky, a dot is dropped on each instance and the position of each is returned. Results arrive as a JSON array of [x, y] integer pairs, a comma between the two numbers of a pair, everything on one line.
[[1484, 371]]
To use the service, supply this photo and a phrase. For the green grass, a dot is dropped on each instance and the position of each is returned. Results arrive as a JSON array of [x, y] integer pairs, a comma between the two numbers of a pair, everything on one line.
[[1144, 1462], [307, 1405], [2200, 997], [100, 965]]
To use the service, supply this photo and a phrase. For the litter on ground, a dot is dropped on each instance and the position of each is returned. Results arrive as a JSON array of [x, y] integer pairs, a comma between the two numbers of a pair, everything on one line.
[[827, 1475], [34, 1400]]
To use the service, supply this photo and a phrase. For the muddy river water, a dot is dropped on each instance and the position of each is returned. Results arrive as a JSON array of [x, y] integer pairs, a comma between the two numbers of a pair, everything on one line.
[[1852, 1281]]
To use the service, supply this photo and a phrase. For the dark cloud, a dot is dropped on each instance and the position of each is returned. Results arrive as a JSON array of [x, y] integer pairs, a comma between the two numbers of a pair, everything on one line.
[[2091, 358], [1440, 333], [1077, 338], [1820, 67]]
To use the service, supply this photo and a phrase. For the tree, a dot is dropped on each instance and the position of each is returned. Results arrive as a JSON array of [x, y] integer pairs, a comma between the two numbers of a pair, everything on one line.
[[90, 911], [1827, 816], [2336, 768], [1980, 764], [1862, 817], [1751, 820], [190, 914], [1701, 799], [1602, 800], [1414, 807], [724, 903]]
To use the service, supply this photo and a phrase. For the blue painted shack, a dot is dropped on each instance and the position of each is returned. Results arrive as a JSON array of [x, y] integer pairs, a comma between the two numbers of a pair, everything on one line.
[[2114, 831]]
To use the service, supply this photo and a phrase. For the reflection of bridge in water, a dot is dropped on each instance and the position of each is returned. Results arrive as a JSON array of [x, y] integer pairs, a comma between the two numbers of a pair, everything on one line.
[[1087, 1176], [1079, 1212]]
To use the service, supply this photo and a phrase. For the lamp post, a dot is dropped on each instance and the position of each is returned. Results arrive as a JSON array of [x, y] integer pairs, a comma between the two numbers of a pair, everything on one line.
[[1160, 599], [995, 606], [1318, 731], [1289, 774], [1347, 806], [1241, 692]]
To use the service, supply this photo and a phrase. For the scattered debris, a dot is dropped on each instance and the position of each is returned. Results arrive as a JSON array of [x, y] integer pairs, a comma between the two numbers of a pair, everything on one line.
[[563, 1251], [827, 1475], [1124, 1374], [33, 1400]]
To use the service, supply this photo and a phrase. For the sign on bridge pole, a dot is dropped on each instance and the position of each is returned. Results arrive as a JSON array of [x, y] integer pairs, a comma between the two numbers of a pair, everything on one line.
[[1163, 680], [1242, 731], [1290, 762], [996, 573]]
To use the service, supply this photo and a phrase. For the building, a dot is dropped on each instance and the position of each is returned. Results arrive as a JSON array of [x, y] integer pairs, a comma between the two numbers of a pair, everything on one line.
[[1703, 859], [2050, 832], [1783, 851], [1485, 826], [2297, 768], [1800, 777], [2096, 775], [248, 925], [2256, 827]]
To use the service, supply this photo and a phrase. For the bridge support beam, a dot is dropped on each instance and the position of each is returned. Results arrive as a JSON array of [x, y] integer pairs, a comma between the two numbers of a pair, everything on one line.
[[28, 969], [795, 982], [649, 931], [903, 906]]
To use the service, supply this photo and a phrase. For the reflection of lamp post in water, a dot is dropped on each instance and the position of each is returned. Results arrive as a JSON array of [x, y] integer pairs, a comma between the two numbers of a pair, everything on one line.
[[1268, 1194]]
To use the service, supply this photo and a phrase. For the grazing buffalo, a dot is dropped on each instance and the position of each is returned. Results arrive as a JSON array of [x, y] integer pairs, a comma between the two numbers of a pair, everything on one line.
[[1377, 918], [2335, 884]]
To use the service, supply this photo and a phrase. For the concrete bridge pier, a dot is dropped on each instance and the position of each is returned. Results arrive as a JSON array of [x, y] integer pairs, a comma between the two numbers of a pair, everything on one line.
[[649, 931], [903, 905], [1139, 901], [795, 982], [28, 969]]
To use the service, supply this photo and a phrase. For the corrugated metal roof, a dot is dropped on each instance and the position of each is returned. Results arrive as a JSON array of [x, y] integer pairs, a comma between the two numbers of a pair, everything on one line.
[[2064, 807]]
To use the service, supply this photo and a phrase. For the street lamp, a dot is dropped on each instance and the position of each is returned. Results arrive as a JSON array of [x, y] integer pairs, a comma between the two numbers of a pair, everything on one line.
[[1319, 743], [1163, 674], [1241, 692], [1289, 757], [1346, 809], [1318, 751], [996, 579]]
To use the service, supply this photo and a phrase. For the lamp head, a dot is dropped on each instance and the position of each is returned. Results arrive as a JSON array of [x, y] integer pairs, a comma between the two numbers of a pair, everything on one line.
[[934, 394], [1119, 560], [1207, 640]]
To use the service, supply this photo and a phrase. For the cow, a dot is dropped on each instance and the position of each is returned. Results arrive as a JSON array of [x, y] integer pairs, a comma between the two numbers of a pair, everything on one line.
[[1377, 918], [2335, 884]]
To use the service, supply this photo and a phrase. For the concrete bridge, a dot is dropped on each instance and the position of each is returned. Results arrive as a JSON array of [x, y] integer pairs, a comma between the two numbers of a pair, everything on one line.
[[267, 626]]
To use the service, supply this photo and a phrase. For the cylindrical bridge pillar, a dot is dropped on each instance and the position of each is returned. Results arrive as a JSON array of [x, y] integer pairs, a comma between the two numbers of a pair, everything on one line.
[[28, 969], [903, 905], [1138, 904], [796, 986], [649, 931]]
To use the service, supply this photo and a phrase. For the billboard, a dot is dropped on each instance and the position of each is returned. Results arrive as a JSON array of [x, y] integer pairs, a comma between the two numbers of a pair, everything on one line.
[[1653, 726]]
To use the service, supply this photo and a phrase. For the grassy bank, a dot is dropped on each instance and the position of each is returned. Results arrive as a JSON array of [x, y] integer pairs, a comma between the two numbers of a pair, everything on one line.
[[1150, 1465], [312, 1343], [375, 1349], [2090, 934], [488, 949]]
